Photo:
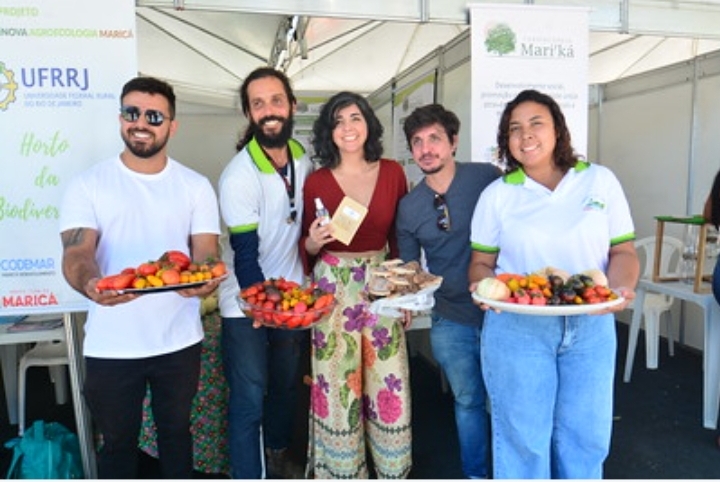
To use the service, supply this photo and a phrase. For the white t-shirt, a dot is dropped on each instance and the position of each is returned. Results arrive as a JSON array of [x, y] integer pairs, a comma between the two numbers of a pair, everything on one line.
[[253, 196], [138, 217], [572, 227]]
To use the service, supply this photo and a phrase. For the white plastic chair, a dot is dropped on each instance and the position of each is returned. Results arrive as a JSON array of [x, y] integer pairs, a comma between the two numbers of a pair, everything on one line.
[[656, 304], [53, 355]]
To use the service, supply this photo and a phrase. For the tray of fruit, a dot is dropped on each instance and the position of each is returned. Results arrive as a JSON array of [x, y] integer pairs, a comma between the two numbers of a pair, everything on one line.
[[172, 271], [549, 292], [284, 304]]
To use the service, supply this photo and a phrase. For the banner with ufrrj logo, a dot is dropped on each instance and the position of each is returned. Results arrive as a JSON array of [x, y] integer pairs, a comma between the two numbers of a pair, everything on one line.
[[62, 67], [518, 47]]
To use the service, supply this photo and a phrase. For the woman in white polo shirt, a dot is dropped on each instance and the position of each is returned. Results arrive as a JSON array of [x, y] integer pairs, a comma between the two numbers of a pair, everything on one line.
[[550, 378]]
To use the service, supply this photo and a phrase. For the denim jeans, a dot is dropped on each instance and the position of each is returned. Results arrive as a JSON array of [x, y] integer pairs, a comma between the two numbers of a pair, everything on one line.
[[550, 381], [456, 347], [114, 391], [261, 367]]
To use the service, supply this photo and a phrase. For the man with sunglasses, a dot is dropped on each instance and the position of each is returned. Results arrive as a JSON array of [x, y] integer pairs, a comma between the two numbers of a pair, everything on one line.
[[260, 194], [120, 213], [434, 219]]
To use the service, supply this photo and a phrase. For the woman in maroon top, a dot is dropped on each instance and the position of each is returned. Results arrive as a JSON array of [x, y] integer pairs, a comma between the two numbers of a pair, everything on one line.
[[360, 392]]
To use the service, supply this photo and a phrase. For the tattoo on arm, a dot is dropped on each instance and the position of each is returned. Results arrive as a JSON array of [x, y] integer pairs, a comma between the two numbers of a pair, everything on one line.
[[73, 237]]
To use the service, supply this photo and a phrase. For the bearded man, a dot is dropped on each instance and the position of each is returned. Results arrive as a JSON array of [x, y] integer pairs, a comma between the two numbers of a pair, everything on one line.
[[260, 194], [134, 342]]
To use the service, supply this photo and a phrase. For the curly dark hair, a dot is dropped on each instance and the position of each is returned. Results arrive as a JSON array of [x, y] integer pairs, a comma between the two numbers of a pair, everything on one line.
[[152, 86], [260, 73], [428, 115], [326, 152], [564, 155]]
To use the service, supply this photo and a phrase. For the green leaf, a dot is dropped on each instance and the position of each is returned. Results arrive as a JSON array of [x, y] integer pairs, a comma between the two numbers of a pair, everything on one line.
[[352, 347], [327, 351], [345, 395], [391, 348], [354, 414]]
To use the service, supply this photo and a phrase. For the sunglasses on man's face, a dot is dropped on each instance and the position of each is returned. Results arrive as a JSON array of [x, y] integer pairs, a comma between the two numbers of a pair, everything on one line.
[[443, 220], [153, 117]]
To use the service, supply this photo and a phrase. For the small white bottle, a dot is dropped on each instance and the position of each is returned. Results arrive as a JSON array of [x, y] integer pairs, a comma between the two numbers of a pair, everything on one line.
[[321, 212]]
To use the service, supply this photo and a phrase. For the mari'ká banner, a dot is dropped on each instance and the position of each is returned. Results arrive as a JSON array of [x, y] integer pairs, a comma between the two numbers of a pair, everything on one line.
[[518, 47]]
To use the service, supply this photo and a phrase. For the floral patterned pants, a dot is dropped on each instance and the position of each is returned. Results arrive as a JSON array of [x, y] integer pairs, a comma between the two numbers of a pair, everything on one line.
[[361, 385]]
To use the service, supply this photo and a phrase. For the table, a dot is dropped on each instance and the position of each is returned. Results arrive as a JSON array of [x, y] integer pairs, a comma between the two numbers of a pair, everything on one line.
[[9, 356], [711, 344]]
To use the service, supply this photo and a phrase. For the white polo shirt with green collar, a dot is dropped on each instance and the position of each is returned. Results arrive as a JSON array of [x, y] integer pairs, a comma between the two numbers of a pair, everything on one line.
[[572, 227], [253, 197]]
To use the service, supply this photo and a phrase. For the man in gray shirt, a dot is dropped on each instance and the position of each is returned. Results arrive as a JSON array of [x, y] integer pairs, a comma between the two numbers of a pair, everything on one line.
[[435, 218]]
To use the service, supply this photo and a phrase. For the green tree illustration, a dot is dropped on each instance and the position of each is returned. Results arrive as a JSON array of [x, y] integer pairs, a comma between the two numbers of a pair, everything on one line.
[[500, 39]]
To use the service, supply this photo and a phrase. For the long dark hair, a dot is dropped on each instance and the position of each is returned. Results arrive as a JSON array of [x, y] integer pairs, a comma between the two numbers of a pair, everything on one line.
[[326, 152], [564, 155], [260, 73]]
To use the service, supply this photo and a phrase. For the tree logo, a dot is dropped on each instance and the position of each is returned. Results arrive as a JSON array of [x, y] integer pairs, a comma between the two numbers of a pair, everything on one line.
[[500, 39], [8, 86]]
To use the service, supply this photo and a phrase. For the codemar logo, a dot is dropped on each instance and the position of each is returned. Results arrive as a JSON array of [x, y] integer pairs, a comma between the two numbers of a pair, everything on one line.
[[8, 86]]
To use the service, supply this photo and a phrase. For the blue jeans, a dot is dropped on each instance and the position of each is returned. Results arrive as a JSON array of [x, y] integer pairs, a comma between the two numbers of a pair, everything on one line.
[[456, 348], [114, 391], [261, 367], [550, 381]]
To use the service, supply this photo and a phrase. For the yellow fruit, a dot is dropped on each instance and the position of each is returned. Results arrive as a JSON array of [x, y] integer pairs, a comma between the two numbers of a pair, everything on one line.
[[154, 281]]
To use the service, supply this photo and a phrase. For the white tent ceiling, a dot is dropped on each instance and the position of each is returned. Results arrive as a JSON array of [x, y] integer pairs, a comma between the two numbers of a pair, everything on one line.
[[206, 47]]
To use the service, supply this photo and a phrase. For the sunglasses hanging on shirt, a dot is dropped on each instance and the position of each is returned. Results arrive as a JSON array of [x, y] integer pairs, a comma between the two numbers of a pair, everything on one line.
[[443, 220]]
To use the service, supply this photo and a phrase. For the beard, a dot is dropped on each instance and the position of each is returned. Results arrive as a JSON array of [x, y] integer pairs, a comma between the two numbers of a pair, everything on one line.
[[273, 140], [432, 170], [142, 149]]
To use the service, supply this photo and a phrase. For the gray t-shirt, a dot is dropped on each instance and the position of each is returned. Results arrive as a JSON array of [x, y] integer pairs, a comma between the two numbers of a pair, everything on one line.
[[447, 253]]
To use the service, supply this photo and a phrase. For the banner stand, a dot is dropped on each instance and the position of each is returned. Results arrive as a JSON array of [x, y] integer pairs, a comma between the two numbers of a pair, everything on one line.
[[76, 369]]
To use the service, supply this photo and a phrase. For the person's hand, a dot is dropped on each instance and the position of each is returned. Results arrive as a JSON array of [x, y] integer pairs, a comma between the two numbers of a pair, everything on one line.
[[627, 293], [406, 319], [106, 297], [319, 235]]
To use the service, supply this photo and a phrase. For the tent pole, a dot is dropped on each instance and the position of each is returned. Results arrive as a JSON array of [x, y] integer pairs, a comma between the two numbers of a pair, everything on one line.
[[693, 141]]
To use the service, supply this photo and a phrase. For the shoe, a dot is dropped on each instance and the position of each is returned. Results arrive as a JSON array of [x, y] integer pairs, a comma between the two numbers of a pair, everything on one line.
[[279, 465]]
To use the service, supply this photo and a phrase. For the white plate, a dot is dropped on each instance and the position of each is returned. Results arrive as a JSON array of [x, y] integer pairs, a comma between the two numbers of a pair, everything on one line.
[[547, 310]]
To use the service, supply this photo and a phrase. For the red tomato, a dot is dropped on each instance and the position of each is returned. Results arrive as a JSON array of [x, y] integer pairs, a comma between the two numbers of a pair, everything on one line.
[[218, 268], [105, 283], [294, 321], [145, 269], [170, 276], [122, 281], [178, 258]]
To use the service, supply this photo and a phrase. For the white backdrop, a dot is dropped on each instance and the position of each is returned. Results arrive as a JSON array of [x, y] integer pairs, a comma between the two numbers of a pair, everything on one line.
[[62, 66], [516, 48]]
